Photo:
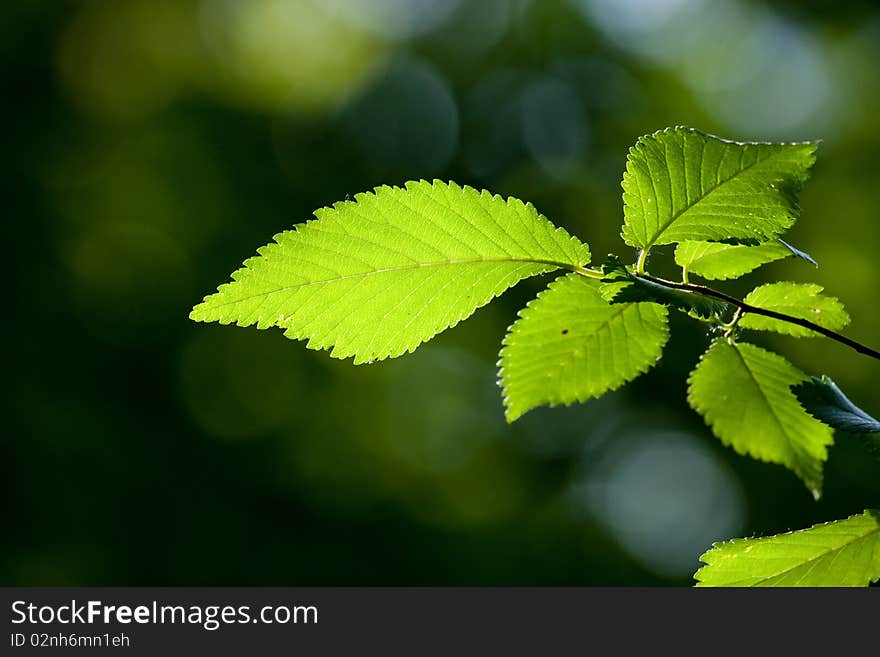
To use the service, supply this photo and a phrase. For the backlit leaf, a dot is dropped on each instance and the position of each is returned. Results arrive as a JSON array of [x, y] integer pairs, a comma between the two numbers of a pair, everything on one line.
[[569, 345], [840, 553], [682, 184], [375, 277], [801, 300], [720, 261], [744, 394]]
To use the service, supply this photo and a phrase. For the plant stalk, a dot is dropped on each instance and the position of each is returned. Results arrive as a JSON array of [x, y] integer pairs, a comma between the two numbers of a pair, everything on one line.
[[744, 307]]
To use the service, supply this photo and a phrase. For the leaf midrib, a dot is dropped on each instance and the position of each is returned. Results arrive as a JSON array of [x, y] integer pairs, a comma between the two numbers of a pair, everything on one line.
[[386, 270], [784, 571], [675, 217], [767, 403]]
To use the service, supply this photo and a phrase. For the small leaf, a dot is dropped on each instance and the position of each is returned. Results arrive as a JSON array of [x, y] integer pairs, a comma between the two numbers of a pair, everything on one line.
[[621, 286], [840, 553], [799, 300], [826, 402], [375, 277], [719, 261], [744, 393], [682, 184], [569, 345]]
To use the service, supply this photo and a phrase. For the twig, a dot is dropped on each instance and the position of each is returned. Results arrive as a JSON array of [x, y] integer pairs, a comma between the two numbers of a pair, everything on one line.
[[744, 307]]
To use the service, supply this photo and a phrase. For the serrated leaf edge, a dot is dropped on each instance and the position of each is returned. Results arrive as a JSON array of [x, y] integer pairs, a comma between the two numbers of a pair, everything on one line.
[[816, 492], [644, 140], [580, 399], [719, 544]]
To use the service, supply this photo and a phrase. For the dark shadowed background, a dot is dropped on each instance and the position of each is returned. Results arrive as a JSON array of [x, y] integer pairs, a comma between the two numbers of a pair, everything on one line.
[[150, 146]]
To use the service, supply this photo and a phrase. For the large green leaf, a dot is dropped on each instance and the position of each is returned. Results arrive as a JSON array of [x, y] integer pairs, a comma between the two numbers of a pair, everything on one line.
[[374, 277], [841, 553], [801, 300], [569, 345], [720, 261], [744, 394], [682, 184]]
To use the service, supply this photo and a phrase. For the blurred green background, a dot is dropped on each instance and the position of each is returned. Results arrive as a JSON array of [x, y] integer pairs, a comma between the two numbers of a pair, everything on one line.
[[152, 145]]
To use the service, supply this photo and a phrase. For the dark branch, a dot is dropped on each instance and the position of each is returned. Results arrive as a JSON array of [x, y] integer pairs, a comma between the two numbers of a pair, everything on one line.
[[748, 308]]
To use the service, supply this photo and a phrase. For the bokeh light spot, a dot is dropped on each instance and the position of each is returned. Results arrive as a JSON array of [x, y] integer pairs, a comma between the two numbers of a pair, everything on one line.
[[286, 54], [665, 497], [406, 124], [396, 19], [493, 133], [114, 58], [554, 126]]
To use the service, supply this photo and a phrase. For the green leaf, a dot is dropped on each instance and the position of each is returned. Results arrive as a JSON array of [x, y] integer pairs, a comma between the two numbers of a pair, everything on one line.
[[822, 399], [621, 286], [744, 393], [682, 184], [840, 553], [569, 345], [375, 277], [799, 300], [719, 261]]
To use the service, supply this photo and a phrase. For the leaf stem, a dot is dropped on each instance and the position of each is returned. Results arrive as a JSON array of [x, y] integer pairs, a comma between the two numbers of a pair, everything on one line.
[[586, 271], [743, 307], [730, 327], [640, 263]]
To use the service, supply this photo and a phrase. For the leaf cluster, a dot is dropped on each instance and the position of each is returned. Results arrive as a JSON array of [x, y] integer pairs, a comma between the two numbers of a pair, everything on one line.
[[374, 277]]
